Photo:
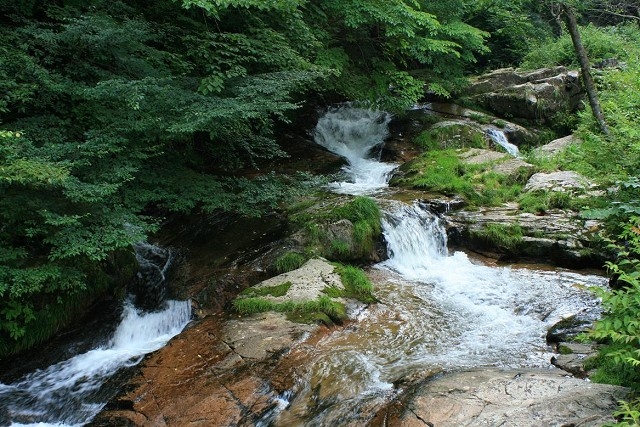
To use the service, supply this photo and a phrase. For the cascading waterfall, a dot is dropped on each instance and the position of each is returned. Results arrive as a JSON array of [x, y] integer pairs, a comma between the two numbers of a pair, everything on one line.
[[437, 310], [354, 133], [70, 393], [500, 139]]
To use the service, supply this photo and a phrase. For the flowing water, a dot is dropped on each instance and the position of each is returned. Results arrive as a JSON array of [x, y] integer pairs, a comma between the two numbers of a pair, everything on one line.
[[500, 139], [72, 392], [354, 134], [437, 311]]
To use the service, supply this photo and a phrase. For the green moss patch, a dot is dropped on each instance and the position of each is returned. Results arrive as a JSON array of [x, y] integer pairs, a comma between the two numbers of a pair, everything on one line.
[[289, 262], [323, 305], [507, 237], [356, 283], [274, 291], [442, 171]]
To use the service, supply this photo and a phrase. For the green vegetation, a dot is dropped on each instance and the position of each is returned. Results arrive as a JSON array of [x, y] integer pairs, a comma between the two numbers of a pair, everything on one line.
[[115, 114], [451, 136], [334, 310], [274, 291], [328, 238], [324, 309], [357, 284], [613, 161], [506, 237], [542, 201], [443, 171], [602, 43], [610, 371], [289, 261]]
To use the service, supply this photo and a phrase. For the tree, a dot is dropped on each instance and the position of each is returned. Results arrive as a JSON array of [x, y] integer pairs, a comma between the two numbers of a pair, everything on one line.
[[581, 53], [114, 114]]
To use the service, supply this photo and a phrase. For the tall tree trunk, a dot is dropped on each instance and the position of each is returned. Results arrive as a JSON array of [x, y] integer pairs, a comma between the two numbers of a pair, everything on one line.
[[586, 69]]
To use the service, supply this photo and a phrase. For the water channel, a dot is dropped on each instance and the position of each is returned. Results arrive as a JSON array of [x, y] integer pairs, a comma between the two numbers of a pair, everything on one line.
[[438, 310], [72, 391]]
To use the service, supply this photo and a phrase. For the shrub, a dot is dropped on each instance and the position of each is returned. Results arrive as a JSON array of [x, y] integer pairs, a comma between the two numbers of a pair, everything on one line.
[[600, 42]]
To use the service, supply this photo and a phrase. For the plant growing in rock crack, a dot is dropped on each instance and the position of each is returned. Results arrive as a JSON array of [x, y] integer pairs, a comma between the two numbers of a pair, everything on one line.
[[289, 261]]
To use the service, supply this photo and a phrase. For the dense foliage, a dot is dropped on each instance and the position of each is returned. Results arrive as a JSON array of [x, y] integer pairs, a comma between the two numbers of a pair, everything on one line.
[[115, 113], [614, 161]]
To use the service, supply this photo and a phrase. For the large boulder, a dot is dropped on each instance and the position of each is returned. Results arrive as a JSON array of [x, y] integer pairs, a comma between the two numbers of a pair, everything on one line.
[[556, 146], [529, 95], [493, 397], [558, 237], [559, 181]]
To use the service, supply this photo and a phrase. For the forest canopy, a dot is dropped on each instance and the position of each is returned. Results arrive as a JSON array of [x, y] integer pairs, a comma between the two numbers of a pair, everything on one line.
[[115, 113]]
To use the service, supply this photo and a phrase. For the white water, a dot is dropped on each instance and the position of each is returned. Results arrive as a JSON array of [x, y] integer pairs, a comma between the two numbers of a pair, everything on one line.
[[437, 311], [67, 393], [500, 138], [354, 133]]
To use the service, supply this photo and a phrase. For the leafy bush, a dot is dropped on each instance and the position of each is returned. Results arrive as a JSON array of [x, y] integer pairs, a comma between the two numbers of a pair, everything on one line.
[[600, 43]]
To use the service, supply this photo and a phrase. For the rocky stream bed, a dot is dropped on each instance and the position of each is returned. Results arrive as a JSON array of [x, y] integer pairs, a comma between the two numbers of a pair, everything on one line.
[[463, 333]]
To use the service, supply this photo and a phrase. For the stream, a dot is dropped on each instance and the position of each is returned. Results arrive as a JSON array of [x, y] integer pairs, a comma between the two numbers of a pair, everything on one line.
[[72, 391], [438, 311]]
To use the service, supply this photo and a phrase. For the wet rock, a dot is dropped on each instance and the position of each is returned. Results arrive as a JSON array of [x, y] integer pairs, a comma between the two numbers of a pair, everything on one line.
[[443, 205], [572, 357], [567, 329], [492, 397], [213, 374], [530, 95], [263, 335], [558, 237]]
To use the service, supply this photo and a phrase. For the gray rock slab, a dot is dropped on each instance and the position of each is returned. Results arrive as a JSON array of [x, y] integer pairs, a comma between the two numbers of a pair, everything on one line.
[[556, 146], [512, 167], [560, 181], [515, 398], [476, 156], [259, 336], [307, 282]]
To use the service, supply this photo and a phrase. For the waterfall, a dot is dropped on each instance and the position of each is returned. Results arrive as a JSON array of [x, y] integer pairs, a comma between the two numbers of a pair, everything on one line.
[[437, 310], [72, 392], [500, 139], [354, 133], [415, 239]]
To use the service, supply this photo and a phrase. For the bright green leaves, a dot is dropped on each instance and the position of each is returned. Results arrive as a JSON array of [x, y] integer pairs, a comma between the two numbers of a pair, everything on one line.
[[620, 323], [385, 39], [214, 7]]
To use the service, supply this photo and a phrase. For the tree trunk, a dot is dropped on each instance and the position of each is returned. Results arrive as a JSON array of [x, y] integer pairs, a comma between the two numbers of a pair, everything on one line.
[[586, 69]]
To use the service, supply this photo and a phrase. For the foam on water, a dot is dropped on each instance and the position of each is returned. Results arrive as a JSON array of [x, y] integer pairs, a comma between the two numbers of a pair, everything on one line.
[[66, 393], [354, 133], [436, 311]]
